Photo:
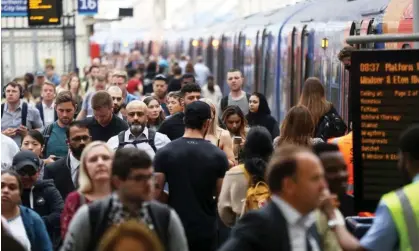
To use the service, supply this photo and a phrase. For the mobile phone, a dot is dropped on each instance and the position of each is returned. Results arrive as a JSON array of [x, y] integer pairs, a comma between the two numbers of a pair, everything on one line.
[[237, 140]]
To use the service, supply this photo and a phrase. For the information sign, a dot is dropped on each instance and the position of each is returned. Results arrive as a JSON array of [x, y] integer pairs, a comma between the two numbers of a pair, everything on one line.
[[44, 12], [385, 101], [87, 7], [14, 8]]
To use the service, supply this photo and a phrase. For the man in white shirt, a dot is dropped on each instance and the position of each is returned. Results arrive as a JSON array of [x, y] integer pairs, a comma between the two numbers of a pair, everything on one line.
[[295, 177], [202, 71], [46, 106], [138, 135], [9, 149]]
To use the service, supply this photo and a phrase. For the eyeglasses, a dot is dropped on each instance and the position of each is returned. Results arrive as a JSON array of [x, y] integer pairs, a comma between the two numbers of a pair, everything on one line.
[[26, 170]]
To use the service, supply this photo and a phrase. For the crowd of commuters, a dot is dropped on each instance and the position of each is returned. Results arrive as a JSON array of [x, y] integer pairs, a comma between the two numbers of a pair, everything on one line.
[[156, 158]]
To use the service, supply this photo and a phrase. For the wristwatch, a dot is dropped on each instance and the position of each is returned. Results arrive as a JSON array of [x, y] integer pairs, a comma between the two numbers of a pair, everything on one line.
[[333, 223]]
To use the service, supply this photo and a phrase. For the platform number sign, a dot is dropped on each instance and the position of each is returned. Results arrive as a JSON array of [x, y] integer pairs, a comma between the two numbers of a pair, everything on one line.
[[87, 7]]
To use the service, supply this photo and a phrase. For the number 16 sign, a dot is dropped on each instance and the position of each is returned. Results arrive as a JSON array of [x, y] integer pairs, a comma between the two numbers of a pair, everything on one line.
[[87, 7]]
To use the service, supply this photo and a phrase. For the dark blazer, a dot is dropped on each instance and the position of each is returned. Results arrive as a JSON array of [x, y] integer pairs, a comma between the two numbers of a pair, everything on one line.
[[60, 172], [41, 112], [262, 230]]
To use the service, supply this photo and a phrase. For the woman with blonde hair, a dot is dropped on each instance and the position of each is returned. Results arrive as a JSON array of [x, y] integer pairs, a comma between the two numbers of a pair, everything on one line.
[[328, 124], [130, 236], [218, 136], [94, 180], [297, 128]]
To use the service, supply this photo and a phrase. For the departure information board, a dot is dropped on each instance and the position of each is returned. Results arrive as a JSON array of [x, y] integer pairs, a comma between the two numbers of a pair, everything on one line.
[[44, 12], [385, 101]]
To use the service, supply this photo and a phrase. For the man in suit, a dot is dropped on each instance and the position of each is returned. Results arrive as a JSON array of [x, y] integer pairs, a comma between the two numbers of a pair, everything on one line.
[[65, 171], [296, 180], [46, 105]]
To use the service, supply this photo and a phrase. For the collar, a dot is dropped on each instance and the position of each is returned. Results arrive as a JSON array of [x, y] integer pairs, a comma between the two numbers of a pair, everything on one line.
[[48, 107], [6, 106], [292, 216], [120, 115], [73, 161], [97, 123], [133, 137], [416, 178]]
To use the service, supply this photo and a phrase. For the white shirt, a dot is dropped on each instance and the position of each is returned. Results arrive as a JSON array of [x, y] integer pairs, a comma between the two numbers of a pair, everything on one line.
[[215, 97], [9, 149], [159, 141], [48, 114], [202, 72], [298, 225], [18, 231], [74, 165]]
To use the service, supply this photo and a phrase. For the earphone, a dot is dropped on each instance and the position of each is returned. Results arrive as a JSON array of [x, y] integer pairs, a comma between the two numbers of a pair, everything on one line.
[[18, 85]]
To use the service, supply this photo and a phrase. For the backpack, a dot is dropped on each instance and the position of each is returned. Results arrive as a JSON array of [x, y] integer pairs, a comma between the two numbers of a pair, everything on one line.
[[46, 134], [224, 102], [331, 125], [150, 140], [99, 216], [257, 195], [24, 112]]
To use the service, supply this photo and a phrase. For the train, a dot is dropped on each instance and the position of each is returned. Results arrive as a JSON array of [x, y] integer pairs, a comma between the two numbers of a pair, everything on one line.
[[277, 50]]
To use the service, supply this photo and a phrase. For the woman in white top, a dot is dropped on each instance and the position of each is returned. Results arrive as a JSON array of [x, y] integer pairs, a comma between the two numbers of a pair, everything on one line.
[[212, 91], [24, 224], [218, 136]]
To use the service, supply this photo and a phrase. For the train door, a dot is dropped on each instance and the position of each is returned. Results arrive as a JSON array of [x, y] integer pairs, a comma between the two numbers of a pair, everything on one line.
[[268, 80], [345, 99], [257, 64], [248, 64], [220, 64], [307, 54], [209, 55], [293, 68], [228, 60]]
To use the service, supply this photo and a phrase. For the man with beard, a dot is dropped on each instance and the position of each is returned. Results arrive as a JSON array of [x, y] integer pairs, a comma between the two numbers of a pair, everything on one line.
[[138, 135], [396, 222], [132, 200], [194, 169], [160, 86], [118, 100], [65, 171], [55, 133]]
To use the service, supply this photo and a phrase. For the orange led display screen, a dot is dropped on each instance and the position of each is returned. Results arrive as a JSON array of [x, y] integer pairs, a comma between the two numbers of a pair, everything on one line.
[[44, 12], [385, 101]]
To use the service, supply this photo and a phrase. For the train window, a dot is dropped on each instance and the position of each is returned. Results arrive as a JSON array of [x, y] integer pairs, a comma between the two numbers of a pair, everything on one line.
[[220, 64], [200, 47], [269, 90], [257, 64], [263, 65], [248, 65], [209, 55]]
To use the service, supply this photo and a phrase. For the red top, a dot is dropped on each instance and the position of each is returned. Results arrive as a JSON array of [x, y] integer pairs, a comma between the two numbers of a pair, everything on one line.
[[72, 204], [132, 85]]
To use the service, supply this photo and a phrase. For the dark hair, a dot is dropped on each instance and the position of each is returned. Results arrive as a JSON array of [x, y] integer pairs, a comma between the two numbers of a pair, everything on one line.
[[345, 52], [232, 110], [64, 97], [187, 75], [177, 70], [161, 117], [409, 141], [29, 78], [93, 66], [131, 72], [190, 87], [75, 123], [235, 70], [17, 176], [36, 135], [151, 67], [297, 127], [320, 148], [263, 104], [101, 99], [257, 151], [282, 165], [129, 158]]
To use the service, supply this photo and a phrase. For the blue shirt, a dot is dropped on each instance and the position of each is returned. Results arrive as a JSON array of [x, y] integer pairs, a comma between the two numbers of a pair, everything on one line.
[[383, 234], [57, 144], [130, 98]]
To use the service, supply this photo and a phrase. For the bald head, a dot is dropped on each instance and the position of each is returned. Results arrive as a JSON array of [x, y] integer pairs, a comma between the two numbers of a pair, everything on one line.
[[117, 98], [136, 104]]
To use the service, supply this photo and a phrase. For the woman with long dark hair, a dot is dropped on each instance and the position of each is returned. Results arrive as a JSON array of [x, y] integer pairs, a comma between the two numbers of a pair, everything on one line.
[[257, 152], [236, 123], [260, 114]]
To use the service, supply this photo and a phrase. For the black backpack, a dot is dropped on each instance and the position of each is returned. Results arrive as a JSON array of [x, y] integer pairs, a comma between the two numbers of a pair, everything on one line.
[[99, 220], [24, 112], [150, 140], [331, 125], [224, 102]]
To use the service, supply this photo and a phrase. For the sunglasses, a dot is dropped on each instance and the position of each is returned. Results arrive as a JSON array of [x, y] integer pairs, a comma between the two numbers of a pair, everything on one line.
[[26, 170]]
